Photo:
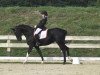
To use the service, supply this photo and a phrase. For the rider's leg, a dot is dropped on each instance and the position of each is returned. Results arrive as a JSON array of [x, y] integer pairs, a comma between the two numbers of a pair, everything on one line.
[[37, 31], [37, 36], [37, 40]]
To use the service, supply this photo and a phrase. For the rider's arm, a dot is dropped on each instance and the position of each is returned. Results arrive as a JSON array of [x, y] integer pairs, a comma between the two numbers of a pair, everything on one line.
[[42, 23]]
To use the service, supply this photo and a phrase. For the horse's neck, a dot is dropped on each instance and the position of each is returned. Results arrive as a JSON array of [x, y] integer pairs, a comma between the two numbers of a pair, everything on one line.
[[27, 33]]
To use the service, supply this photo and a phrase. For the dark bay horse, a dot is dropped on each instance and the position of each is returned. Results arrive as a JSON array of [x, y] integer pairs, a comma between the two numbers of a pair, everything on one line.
[[53, 35]]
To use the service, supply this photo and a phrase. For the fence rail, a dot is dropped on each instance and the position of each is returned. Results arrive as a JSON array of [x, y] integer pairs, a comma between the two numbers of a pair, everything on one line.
[[9, 44], [12, 37], [9, 38], [47, 59]]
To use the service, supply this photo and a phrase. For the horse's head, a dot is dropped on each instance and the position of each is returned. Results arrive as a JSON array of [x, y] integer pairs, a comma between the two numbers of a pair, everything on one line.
[[17, 33], [23, 29]]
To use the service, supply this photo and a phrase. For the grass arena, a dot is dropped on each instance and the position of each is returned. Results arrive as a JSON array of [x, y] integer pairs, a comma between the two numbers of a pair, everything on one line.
[[87, 68]]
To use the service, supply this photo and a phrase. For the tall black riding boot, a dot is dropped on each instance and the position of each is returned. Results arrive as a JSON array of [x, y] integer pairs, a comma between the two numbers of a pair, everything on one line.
[[37, 40]]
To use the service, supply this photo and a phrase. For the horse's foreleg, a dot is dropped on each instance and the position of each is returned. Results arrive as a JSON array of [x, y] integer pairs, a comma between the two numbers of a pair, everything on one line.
[[27, 55], [40, 53]]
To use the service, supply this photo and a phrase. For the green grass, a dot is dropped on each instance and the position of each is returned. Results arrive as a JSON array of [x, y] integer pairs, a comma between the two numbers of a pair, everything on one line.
[[76, 20], [51, 53]]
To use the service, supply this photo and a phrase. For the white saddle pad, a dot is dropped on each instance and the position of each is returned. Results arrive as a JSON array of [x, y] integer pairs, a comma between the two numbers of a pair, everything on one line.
[[43, 34]]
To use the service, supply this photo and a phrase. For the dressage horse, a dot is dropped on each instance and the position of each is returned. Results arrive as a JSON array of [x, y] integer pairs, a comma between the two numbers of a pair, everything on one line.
[[53, 35]]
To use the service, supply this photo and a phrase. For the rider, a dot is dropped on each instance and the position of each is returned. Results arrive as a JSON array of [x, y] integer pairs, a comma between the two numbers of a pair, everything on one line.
[[41, 25]]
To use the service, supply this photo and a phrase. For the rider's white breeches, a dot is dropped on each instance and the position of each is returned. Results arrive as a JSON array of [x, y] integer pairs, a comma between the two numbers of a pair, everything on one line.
[[37, 31]]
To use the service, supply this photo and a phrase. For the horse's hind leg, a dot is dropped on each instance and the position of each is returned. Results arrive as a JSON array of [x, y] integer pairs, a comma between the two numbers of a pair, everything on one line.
[[67, 49], [64, 48]]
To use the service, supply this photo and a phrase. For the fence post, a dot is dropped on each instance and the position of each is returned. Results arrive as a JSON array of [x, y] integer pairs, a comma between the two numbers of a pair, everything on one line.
[[8, 48]]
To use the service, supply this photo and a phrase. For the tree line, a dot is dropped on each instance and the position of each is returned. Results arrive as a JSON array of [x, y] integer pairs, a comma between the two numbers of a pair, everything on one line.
[[5, 3]]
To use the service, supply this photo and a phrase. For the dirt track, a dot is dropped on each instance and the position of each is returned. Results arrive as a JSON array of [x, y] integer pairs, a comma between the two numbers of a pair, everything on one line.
[[48, 69]]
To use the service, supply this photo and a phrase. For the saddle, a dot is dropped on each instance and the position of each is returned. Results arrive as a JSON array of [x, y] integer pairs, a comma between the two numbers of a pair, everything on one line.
[[43, 34]]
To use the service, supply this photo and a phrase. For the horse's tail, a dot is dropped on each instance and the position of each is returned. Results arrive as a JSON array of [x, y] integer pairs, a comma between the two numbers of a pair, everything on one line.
[[65, 34]]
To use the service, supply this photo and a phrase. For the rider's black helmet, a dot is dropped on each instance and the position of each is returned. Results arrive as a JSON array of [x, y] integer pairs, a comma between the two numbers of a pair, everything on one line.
[[44, 13]]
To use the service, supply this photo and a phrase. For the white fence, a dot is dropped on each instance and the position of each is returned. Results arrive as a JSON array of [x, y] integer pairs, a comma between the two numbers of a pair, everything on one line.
[[10, 45]]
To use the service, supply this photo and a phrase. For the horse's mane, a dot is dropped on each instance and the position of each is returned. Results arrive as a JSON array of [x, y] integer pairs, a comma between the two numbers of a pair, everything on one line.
[[23, 26]]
